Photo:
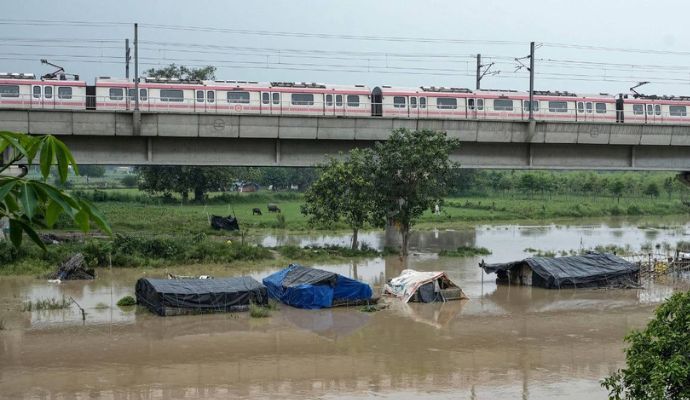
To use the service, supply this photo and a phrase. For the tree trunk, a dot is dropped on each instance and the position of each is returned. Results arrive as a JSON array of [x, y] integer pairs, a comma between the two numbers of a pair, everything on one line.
[[355, 231], [185, 196], [405, 233], [198, 195]]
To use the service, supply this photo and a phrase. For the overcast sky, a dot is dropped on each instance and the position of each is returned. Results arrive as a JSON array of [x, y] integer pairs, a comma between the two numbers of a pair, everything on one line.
[[355, 48]]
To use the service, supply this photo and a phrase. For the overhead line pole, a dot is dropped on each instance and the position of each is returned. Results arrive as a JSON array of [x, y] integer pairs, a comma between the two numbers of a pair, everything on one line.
[[531, 81], [127, 58], [136, 115], [479, 70]]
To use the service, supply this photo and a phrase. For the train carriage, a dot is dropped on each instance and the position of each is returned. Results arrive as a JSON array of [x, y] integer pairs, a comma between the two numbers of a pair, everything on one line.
[[27, 91], [657, 110]]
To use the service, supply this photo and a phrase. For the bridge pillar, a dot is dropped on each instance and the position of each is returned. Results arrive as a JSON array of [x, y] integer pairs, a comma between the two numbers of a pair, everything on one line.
[[136, 123]]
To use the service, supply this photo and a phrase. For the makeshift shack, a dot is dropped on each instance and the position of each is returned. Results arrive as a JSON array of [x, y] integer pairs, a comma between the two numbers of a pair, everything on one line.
[[589, 270], [74, 268], [167, 297], [423, 287], [312, 288]]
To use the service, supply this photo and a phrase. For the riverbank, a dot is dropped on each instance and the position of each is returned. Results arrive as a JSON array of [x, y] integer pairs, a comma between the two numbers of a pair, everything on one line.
[[136, 212]]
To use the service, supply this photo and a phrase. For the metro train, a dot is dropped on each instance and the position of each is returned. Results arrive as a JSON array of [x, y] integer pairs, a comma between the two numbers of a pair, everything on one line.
[[26, 91]]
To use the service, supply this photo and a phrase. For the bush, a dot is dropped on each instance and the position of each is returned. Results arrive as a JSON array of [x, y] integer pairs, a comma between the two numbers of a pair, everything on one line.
[[130, 181], [634, 209], [658, 359], [465, 251], [126, 301], [257, 311], [280, 221]]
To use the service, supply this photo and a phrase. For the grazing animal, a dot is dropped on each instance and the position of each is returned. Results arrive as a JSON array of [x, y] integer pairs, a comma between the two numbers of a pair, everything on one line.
[[273, 208], [256, 211]]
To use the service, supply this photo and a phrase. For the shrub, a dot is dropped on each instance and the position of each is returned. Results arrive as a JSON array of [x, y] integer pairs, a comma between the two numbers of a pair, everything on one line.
[[634, 209], [657, 359], [126, 301], [257, 311], [130, 181]]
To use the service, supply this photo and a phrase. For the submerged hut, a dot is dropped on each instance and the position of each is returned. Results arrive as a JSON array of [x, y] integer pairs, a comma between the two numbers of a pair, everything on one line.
[[313, 288], [589, 270], [424, 287], [167, 297]]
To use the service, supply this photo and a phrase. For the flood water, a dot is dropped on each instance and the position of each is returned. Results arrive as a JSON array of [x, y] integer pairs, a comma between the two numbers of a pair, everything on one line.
[[504, 343]]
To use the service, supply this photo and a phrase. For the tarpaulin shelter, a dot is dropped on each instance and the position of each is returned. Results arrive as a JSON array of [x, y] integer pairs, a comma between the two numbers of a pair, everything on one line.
[[312, 288], [589, 270], [186, 296], [424, 287], [228, 223]]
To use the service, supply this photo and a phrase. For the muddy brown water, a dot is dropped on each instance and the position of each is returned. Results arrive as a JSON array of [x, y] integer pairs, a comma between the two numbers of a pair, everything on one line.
[[504, 343]]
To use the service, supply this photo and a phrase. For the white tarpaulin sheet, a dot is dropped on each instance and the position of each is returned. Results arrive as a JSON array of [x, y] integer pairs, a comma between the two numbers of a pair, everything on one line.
[[406, 285]]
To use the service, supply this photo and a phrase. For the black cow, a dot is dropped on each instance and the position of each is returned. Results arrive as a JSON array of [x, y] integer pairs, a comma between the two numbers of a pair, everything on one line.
[[273, 208], [256, 211]]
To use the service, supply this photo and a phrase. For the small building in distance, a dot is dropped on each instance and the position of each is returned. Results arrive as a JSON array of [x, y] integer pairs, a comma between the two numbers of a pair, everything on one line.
[[246, 187], [589, 270]]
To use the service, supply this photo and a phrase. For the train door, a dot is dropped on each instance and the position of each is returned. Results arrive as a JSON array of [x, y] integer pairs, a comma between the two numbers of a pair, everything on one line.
[[328, 105], [653, 113], [422, 107], [276, 103], [200, 103], [376, 102], [475, 108], [210, 101], [414, 107], [36, 96], [339, 108], [48, 97]]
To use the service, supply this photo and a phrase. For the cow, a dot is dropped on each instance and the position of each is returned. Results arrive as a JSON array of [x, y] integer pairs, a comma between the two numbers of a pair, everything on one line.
[[256, 211], [273, 208]]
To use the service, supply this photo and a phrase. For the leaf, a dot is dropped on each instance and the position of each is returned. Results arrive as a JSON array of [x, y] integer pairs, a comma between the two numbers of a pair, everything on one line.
[[67, 203], [6, 187], [16, 228], [97, 216], [27, 198], [62, 164], [82, 219], [53, 212], [61, 148], [47, 157]]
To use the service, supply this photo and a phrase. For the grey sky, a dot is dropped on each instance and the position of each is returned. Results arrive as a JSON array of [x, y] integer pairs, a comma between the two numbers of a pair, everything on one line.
[[659, 25]]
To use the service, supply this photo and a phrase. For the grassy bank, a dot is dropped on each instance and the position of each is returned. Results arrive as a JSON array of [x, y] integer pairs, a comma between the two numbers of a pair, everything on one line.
[[157, 216]]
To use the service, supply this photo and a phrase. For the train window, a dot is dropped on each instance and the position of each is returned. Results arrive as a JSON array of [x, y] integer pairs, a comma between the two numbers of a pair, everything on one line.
[[650, 109], [638, 109], [64, 92], [276, 98], [265, 98], [352, 100], [600, 107], [413, 102], [588, 106], [503, 105], [558, 106], [9, 91], [238, 97], [302, 99], [117, 93], [130, 94], [329, 100], [210, 96], [580, 107], [446, 103], [480, 104], [143, 94], [338, 100], [48, 92], [200, 96], [678, 111], [399, 102], [657, 110], [37, 92], [470, 104], [535, 105], [422, 102]]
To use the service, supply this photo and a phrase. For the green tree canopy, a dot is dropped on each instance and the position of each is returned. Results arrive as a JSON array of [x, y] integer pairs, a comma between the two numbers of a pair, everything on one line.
[[29, 203], [92, 171], [184, 179], [412, 172], [343, 192], [174, 71], [658, 359]]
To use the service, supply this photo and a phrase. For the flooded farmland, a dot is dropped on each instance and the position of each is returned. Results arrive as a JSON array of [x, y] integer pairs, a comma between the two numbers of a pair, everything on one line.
[[504, 343]]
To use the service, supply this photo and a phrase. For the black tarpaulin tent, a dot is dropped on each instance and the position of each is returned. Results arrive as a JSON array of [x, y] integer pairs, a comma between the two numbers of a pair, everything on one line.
[[187, 296], [589, 270]]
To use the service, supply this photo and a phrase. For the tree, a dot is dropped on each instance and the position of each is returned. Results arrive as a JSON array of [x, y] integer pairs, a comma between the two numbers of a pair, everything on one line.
[[617, 187], [183, 179], [652, 190], [343, 192], [412, 172], [29, 203], [658, 359], [92, 171], [528, 183], [670, 185], [173, 71]]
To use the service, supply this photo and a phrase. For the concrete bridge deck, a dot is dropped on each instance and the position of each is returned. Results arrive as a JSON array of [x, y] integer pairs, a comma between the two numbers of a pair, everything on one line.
[[106, 137]]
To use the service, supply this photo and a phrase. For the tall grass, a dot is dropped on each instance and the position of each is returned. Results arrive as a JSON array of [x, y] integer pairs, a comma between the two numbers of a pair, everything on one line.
[[46, 304]]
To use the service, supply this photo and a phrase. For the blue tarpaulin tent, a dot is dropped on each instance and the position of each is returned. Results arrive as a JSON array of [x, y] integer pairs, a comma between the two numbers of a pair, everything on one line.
[[304, 287]]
